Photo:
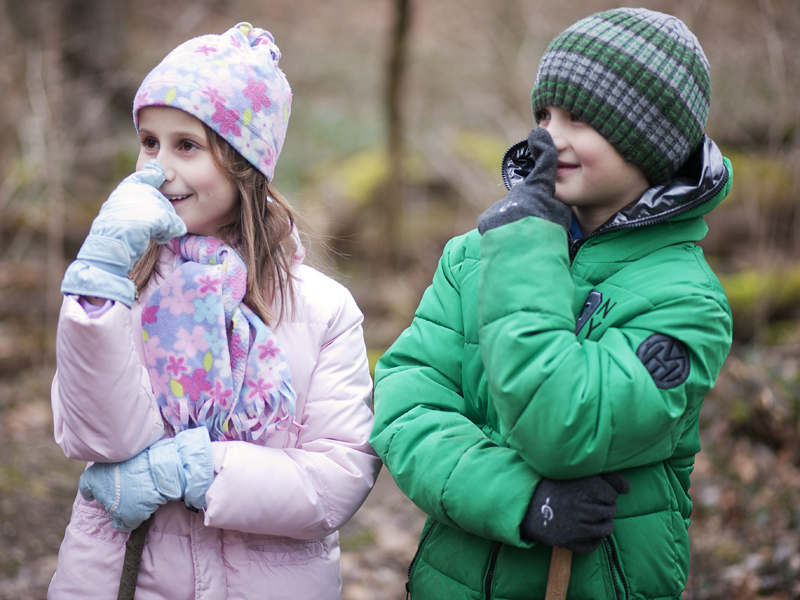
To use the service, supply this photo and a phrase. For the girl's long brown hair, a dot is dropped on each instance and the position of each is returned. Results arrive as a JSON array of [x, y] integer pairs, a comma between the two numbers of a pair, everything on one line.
[[262, 234]]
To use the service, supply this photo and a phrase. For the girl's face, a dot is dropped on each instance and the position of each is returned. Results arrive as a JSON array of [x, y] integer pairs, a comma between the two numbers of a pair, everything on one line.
[[202, 195], [592, 176]]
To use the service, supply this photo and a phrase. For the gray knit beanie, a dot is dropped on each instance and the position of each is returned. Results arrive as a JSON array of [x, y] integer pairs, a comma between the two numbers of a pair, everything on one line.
[[638, 77]]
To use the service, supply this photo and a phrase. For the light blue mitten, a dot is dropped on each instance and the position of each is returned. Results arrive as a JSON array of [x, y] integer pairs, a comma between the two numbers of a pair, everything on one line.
[[134, 213], [171, 469]]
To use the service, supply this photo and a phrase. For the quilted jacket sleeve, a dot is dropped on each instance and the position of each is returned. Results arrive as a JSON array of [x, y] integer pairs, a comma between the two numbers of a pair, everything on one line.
[[311, 489], [574, 407], [441, 459], [103, 406]]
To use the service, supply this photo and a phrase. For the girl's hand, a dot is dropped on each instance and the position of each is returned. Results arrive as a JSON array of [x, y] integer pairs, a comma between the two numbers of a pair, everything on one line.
[[134, 213], [171, 469]]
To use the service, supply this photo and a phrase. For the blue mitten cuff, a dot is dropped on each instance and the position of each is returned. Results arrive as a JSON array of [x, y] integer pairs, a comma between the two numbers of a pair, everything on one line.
[[124, 489], [193, 446], [83, 279]]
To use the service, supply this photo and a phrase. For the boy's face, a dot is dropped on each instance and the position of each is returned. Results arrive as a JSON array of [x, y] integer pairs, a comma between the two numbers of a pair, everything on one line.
[[592, 176]]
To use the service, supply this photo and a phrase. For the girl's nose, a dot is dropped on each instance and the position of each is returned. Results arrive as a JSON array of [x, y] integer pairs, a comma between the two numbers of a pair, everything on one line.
[[169, 171]]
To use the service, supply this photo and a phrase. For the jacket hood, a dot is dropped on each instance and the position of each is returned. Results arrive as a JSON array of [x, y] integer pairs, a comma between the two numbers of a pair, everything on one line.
[[698, 187]]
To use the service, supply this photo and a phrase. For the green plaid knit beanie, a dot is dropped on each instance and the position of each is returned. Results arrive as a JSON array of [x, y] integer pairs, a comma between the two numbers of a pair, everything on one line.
[[638, 77]]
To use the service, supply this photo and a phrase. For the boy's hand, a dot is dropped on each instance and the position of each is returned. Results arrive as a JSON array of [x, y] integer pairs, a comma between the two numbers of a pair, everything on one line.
[[575, 514], [134, 213], [533, 197]]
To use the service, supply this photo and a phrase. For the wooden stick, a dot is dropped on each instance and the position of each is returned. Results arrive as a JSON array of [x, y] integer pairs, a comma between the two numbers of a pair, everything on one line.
[[558, 577], [133, 559]]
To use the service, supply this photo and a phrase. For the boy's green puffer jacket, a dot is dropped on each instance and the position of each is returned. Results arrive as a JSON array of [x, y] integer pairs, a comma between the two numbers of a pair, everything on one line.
[[533, 357]]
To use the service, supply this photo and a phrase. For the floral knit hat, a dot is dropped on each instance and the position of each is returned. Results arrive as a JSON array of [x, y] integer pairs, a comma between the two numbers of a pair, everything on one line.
[[232, 83]]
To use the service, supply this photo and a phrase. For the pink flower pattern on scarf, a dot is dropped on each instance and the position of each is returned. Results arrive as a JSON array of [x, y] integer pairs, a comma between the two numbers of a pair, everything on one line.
[[188, 362]]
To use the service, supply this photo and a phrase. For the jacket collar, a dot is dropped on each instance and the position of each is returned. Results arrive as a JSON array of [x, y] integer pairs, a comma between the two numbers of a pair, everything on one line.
[[694, 190]]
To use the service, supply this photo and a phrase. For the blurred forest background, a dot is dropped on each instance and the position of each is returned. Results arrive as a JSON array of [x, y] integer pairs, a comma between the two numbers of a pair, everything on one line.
[[402, 111]]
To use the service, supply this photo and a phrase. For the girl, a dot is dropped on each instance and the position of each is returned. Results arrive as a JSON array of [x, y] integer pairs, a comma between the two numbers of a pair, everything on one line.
[[184, 392]]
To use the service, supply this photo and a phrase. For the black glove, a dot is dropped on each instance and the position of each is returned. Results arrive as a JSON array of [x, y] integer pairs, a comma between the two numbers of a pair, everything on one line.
[[575, 514], [533, 197]]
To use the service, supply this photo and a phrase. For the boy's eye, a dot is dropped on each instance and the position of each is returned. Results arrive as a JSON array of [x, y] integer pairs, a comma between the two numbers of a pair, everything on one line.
[[575, 118], [541, 115]]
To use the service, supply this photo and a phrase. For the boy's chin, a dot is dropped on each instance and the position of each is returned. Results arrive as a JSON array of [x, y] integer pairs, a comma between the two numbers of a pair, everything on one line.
[[563, 200]]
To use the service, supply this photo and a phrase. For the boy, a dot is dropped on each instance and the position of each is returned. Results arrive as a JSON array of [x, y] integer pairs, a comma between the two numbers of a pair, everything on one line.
[[562, 353]]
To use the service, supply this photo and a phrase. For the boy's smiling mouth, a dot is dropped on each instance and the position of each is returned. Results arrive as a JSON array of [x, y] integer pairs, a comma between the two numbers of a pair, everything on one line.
[[564, 168]]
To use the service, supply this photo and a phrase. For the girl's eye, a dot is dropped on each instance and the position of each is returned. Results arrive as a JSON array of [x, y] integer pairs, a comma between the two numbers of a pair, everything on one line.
[[187, 146], [149, 143]]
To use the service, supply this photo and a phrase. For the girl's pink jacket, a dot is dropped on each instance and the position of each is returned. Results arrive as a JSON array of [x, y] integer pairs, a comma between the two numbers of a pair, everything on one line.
[[270, 526]]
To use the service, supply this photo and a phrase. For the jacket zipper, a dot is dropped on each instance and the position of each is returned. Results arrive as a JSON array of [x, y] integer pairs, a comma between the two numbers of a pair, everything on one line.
[[487, 584], [416, 555], [616, 570]]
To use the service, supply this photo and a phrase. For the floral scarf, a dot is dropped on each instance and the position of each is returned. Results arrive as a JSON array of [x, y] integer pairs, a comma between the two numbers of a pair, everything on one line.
[[212, 361]]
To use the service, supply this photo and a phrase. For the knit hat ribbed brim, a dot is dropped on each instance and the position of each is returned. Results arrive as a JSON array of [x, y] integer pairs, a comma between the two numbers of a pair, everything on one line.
[[638, 77]]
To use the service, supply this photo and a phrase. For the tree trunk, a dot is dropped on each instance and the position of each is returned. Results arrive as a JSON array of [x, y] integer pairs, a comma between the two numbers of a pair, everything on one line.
[[390, 243]]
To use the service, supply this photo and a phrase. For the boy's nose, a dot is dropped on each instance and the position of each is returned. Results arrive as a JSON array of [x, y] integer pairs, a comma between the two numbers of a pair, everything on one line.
[[556, 132]]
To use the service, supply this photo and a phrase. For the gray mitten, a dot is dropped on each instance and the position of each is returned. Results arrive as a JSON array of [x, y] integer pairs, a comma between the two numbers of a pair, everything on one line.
[[575, 514], [533, 197]]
